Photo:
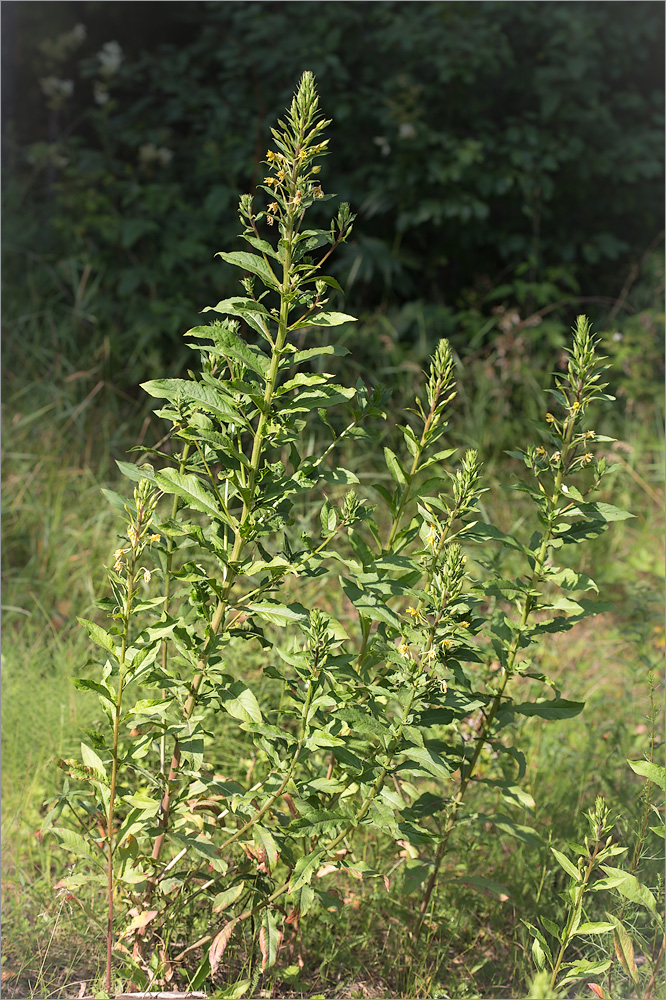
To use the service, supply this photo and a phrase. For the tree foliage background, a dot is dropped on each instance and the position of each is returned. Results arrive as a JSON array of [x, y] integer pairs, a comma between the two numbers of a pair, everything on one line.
[[500, 155]]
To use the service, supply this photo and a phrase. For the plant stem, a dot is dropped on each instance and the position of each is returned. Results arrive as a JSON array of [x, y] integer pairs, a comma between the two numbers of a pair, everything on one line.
[[573, 916], [114, 750], [507, 670]]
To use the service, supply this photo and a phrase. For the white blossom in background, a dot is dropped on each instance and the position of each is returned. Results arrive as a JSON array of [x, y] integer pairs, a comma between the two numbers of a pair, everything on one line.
[[100, 92], [406, 130], [110, 58], [56, 91], [383, 143], [58, 49], [149, 154]]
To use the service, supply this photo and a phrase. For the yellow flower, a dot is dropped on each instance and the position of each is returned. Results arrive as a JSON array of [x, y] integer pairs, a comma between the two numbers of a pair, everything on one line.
[[273, 208], [403, 649], [587, 458], [154, 538], [270, 219], [269, 181], [414, 612], [576, 405], [147, 576], [550, 419], [432, 538]]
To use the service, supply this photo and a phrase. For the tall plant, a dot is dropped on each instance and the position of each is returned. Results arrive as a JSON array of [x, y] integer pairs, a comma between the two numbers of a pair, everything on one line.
[[355, 712]]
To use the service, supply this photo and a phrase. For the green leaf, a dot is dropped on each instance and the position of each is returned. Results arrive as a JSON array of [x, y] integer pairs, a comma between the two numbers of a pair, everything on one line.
[[486, 532], [250, 262], [369, 605], [604, 511], [553, 708], [313, 352], [595, 928], [328, 518], [569, 580], [261, 245], [277, 614], [304, 869], [624, 948], [224, 899], [324, 319], [78, 845], [198, 394], [241, 989], [230, 344], [584, 968], [629, 887], [564, 862], [394, 467], [83, 684], [264, 839], [506, 825], [269, 939], [190, 489], [427, 760], [646, 769], [254, 313], [324, 396], [91, 759], [240, 702], [99, 636]]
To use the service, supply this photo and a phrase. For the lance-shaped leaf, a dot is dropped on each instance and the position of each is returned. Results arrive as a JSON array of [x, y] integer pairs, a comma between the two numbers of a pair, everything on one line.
[[218, 947], [427, 760], [324, 319], [568, 866], [99, 635], [549, 708], [255, 265], [229, 343], [76, 844], [304, 869], [269, 939], [197, 394], [369, 606], [646, 769], [319, 398], [190, 489], [629, 887], [240, 702], [264, 839], [624, 948], [227, 897], [298, 357], [278, 614]]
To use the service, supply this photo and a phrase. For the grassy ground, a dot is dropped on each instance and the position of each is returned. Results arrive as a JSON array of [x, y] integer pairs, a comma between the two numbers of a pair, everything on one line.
[[59, 530]]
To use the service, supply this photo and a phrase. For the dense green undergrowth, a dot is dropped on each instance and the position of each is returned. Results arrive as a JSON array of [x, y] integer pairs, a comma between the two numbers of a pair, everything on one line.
[[495, 880]]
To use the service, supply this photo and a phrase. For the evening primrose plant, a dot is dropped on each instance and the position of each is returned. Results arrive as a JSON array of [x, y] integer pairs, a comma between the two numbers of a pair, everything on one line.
[[355, 643]]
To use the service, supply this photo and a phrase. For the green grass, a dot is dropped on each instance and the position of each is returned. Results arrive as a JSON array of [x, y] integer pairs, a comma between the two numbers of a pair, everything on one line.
[[58, 531]]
